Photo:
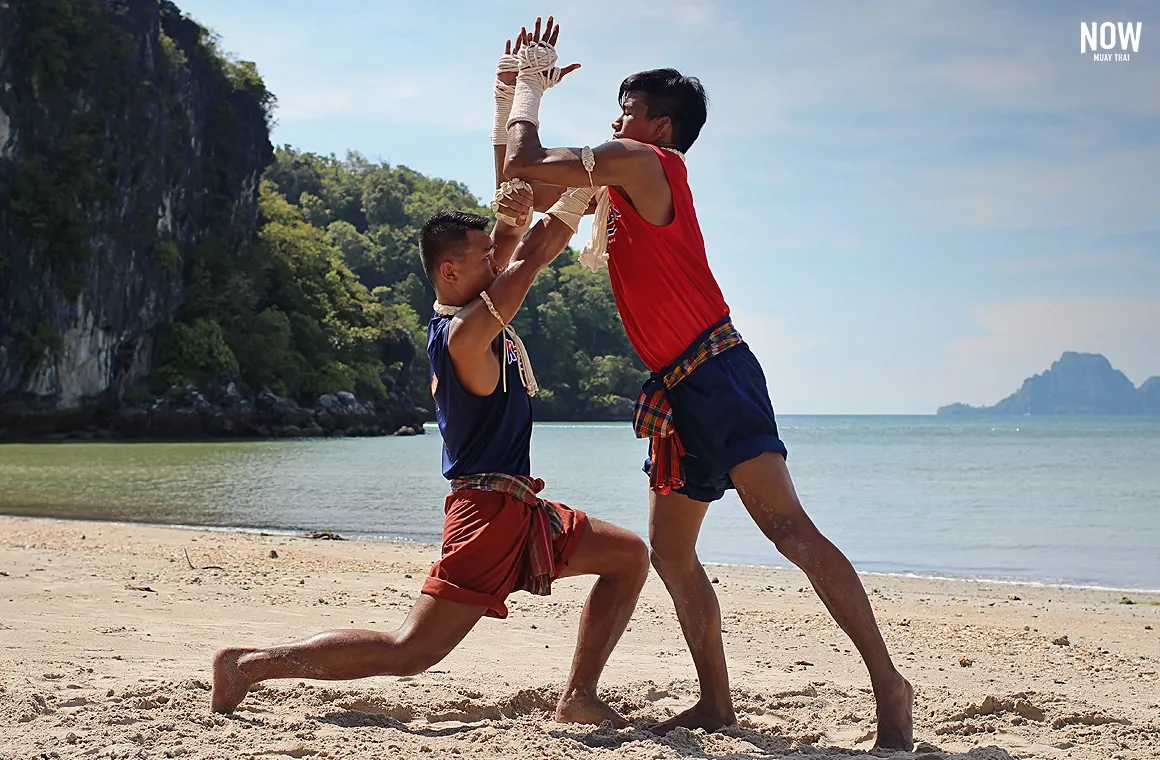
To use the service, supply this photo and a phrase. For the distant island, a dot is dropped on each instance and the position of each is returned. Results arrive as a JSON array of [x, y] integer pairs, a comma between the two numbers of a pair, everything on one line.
[[1076, 384]]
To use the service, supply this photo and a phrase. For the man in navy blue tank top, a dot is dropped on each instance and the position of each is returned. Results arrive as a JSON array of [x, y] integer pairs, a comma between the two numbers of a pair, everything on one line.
[[499, 536]]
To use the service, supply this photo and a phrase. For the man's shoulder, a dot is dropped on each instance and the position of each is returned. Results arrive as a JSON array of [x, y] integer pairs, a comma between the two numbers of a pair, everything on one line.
[[628, 145]]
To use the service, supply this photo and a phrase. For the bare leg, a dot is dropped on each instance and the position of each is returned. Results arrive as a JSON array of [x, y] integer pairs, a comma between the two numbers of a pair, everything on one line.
[[620, 559], [674, 523], [432, 629], [765, 487]]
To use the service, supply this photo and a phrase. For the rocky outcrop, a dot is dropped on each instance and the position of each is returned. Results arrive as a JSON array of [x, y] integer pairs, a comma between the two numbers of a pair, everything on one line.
[[1083, 384], [1149, 394], [127, 145], [220, 411]]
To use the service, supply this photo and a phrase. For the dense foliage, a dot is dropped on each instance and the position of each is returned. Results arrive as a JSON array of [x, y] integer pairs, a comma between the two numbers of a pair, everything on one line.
[[333, 297], [288, 315]]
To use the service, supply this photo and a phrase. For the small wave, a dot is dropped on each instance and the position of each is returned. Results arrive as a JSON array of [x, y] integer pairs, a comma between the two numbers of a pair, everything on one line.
[[977, 579], [1013, 582]]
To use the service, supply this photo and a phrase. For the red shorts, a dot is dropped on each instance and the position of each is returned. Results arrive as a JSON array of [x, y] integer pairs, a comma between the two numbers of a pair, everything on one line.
[[485, 536]]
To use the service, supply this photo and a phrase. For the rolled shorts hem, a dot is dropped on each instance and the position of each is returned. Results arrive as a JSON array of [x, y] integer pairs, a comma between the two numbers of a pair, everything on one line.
[[442, 589], [737, 453]]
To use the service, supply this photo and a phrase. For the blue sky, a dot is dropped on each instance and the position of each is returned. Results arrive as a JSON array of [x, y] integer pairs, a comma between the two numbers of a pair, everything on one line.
[[906, 203]]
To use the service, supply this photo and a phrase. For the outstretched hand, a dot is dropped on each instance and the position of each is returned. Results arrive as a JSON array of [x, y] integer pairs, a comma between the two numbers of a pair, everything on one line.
[[549, 36], [551, 33]]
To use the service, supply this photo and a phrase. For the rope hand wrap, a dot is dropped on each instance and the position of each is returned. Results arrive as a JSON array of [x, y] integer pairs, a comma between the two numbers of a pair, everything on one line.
[[538, 73], [535, 66], [506, 190], [527, 377], [505, 95], [572, 205], [595, 253]]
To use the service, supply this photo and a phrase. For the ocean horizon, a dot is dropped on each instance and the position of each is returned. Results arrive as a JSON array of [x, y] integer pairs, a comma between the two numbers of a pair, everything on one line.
[[1059, 501]]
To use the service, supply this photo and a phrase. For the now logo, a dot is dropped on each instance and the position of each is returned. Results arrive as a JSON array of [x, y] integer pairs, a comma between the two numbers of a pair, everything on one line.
[[1106, 36]]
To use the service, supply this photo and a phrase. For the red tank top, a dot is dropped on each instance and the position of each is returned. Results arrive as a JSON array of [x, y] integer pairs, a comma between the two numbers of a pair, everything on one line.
[[664, 289]]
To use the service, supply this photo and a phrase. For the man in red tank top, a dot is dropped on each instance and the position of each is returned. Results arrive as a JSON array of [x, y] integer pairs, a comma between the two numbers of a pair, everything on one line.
[[706, 407]]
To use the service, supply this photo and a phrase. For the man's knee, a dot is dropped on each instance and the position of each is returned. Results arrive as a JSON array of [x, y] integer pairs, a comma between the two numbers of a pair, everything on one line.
[[637, 561], [672, 559], [627, 562], [771, 500], [796, 537]]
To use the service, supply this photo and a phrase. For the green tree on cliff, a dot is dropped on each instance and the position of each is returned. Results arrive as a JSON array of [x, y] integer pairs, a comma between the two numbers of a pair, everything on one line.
[[371, 213]]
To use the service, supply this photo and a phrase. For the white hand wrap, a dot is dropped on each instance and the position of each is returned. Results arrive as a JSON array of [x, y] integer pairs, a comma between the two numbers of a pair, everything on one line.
[[508, 190], [571, 206], [538, 72], [504, 97]]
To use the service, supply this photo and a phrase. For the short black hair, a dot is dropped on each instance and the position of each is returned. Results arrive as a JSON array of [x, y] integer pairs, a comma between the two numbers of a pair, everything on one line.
[[667, 92], [443, 232]]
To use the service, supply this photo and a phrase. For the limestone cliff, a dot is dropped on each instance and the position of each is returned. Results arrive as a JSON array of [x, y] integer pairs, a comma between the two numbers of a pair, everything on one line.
[[127, 143]]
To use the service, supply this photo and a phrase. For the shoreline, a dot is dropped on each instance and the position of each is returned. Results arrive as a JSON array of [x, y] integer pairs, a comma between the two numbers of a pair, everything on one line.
[[134, 424], [374, 538], [106, 636]]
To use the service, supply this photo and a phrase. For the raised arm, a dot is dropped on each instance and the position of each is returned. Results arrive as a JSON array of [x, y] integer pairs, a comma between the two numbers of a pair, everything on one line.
[[619, 162], [475, 327], [506, 236]]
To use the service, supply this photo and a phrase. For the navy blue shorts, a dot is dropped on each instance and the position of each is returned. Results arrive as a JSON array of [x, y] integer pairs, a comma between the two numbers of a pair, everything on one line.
[[724, 417]]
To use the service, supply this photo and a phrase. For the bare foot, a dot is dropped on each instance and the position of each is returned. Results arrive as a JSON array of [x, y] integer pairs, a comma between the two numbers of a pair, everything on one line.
[[698, 716], [587, 709], [896, 719], [229, 686]]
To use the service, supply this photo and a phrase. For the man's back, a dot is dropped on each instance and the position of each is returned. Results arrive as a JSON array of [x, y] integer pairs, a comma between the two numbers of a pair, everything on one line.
[[660, 275]]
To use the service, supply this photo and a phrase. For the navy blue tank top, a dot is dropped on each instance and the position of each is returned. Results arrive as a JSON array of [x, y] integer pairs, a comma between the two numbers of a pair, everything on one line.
[[480, 433]]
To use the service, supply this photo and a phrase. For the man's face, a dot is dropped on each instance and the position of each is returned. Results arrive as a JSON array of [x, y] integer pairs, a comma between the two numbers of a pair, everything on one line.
[[634, 123], [476, 267]]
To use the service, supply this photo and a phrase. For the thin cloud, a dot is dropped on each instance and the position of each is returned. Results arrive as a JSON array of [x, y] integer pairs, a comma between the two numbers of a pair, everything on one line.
[[1118, 190], [1089, 261]]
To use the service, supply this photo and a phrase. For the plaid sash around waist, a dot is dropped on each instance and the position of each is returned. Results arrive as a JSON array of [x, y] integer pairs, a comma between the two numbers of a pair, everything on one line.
[[546, 522], [652, 417]]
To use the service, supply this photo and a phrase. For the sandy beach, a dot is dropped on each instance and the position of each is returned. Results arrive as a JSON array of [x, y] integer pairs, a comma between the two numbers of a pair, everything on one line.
[[107, 635]]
